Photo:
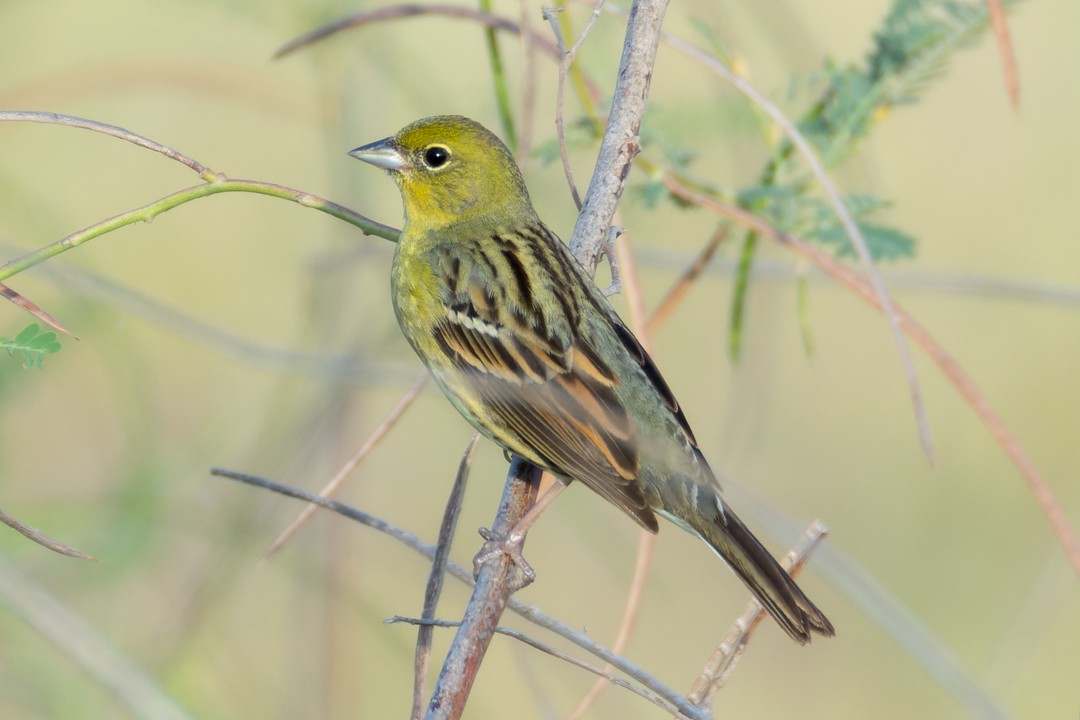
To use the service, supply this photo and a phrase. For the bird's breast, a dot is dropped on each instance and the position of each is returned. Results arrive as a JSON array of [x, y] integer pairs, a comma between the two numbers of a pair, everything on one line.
[[414, 291]]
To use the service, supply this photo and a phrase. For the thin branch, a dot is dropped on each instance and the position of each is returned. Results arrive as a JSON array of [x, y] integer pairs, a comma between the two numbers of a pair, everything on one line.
[[32, 308], [567, 59], [117, 132], [621, 138], [677, 292], [399, 12], [851, 229], [78, 281], [527, 612], [722, 663], [551, 15], [1005, 48], [221, 184], [437, 575], [604, 677], [368, 445], [494, 584], [841, 571], [35, 535], [956, 374]]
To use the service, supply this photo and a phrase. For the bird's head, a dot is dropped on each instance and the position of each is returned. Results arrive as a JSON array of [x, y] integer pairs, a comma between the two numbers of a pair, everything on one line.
[[450, 169]]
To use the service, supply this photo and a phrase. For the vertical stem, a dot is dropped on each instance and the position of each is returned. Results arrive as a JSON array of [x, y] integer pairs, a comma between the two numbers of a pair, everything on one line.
[[493, 588], [498, 75], [620, 143]]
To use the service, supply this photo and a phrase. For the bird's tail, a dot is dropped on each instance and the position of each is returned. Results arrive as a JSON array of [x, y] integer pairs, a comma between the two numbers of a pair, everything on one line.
[[701, 511]]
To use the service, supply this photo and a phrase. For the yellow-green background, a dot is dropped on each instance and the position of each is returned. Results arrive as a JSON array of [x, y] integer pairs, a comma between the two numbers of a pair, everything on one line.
[[109, 446]]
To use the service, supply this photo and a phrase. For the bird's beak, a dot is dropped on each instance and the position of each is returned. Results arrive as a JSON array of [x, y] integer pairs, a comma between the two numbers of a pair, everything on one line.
[[383, 154]]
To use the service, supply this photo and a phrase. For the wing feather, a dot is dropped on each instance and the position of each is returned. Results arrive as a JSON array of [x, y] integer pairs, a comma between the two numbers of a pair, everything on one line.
[[546, 394]]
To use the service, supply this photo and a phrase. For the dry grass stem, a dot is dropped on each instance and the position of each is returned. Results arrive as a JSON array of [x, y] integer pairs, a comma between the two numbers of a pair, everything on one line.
[[35, 535], [358, 457], [437, 575], [32, 308], [678, 292], [956, 374], [851, 229]]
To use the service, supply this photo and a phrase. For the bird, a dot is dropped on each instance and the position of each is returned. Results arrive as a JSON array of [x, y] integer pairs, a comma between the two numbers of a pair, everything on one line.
[[530, 352]]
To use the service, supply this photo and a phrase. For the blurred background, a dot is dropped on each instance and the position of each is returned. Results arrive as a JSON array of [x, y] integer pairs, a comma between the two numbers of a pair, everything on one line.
[[254, 334]]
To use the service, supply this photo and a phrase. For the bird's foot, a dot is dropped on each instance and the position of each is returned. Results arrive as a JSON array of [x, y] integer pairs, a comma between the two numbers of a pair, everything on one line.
[[609, 250], [510, 546]]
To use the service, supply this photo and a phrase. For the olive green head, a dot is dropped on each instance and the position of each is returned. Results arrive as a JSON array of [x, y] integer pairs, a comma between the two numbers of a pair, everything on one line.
[[450, 169]]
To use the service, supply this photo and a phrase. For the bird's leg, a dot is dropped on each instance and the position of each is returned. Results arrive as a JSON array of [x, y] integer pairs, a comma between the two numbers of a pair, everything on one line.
[[510, 543], [609, 250]]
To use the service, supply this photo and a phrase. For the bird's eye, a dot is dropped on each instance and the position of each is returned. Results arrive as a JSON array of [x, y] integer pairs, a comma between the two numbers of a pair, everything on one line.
[[436, 156]]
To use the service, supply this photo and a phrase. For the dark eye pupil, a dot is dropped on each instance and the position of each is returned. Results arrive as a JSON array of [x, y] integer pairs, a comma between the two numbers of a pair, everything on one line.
[[436, 156]]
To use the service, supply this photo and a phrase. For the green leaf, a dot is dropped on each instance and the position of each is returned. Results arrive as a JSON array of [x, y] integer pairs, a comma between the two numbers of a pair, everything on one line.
[[652, 192], [32, 345]]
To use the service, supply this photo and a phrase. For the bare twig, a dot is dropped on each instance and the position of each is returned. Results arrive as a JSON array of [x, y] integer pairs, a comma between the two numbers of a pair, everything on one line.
[[370, 444], [437, 575], [528, 612], [851, 229], [678, 291], [634, 595], [400, 12], [118, 132], [567, 58], [956, 374], [839, 570], [722, 663], [605, 677], [494, 583], [32, 533], [1005, 48], [533, 38], [550, 14], [32, 308], [151, 210], [621, 138]]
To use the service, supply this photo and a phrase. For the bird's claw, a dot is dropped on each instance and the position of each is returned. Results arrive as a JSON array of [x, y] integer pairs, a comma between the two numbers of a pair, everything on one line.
[[609, 250], [510, 546]]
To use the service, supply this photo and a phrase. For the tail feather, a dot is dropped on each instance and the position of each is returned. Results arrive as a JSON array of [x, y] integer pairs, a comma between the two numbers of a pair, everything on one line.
[[706, 516]]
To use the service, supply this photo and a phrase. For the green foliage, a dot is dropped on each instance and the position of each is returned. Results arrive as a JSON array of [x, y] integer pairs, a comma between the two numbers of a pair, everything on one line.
[[813, 218], [32, 344], [909, 51]]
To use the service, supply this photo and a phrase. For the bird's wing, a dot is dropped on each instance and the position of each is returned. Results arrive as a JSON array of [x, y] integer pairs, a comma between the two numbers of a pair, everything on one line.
[[545, 394]]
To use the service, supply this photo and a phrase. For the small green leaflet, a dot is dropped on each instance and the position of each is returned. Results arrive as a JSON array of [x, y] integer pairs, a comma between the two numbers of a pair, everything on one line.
[[32, 344]]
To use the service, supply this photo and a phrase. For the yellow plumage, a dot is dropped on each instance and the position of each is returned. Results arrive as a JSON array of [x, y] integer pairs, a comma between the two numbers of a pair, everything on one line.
[[530, 352]]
